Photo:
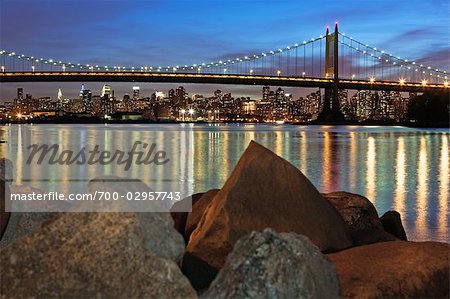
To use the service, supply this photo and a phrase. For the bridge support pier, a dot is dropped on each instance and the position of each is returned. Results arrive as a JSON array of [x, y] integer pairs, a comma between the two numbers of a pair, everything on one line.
[[331, 111]]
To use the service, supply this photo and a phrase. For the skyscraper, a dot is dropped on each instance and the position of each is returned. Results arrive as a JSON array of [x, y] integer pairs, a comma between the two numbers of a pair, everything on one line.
[[106, 90], [136, 91]]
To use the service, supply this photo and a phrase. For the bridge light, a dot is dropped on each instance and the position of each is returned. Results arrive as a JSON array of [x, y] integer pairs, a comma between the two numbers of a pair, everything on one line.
[[32, 68], [402, 81], [3, 68], [191, 111], [278, 72], [424, 82], [224, 71], [372, 79], [303, 74], [353, 76], [63, 67], [446, 83]]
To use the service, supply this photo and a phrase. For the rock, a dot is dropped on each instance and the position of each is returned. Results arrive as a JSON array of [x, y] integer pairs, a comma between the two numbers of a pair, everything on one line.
[[179, 214], [22, 224], [271, 265], [89, 255], [360, 217], [160, 235], [4, 216], [392, 223], [123, 187], [370, 236], [397, 269], [198, 209], [263, 191], [356, 210], [6, 170]]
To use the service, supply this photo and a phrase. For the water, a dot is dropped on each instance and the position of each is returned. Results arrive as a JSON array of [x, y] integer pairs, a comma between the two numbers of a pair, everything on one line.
[[398, 168]]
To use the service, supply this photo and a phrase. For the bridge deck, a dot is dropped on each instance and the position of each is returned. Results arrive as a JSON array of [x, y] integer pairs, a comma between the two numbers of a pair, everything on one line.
[[157, 77]]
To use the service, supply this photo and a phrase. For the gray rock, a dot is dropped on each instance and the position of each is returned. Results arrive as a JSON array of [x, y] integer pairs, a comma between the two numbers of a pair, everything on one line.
[[6, 170], [160, 235], [89, 255], [271, 265], [392, 223], [22, 224]]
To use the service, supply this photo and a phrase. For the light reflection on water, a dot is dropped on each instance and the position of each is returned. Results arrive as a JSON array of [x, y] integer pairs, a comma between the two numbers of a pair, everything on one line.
[[396, 168]]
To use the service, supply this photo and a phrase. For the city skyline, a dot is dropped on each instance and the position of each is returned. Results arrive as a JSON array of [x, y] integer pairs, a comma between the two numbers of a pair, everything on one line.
[[207, 31]]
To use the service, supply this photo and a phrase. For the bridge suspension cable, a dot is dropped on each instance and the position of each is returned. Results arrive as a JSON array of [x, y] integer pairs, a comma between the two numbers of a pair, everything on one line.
[[356, 60], [384, 66], [277, 62]]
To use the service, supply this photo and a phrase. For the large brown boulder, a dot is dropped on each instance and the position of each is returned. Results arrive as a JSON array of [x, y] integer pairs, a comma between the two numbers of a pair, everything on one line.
[[4, 216], [271, 265], [263, 191], [360, 217], [89, 255], [396, 269], [392, 223]]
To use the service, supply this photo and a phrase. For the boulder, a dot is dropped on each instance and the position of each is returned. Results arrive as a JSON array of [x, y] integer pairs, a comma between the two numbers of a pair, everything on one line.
[[396, 269], [392, 223], [22, 224], [271, 265], [179, 211], [123, 187], [161, 237], [159, 233], [4, 216], [263, 191], [89, 255], [6, 170], [360, 217], [198, 209]]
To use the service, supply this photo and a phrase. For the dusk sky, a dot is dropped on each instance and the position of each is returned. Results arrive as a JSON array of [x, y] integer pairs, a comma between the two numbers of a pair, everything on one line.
[[157, 32]]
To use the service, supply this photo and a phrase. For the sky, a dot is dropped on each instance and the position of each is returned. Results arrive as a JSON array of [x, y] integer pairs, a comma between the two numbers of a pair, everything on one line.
[[168, 32]]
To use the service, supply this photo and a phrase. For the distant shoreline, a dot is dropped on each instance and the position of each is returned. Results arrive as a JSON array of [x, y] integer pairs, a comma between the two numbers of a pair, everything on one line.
[[346, 123]]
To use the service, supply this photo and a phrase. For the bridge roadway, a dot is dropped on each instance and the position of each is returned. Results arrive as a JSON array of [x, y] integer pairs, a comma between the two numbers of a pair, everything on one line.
[[158, 77]]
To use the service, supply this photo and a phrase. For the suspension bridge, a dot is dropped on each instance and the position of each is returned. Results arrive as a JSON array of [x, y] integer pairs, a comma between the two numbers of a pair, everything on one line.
[[332, 61]]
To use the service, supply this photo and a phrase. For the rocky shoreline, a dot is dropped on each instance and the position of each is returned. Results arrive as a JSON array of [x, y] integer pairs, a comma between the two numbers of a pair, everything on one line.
[[267, 233]]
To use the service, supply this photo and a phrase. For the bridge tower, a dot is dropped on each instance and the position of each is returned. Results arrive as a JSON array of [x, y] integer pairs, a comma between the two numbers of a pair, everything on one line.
[[331, 110]]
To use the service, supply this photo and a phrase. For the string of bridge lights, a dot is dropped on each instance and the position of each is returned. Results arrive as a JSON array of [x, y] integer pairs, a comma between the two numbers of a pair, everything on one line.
[[67, 65], [392, 58]]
